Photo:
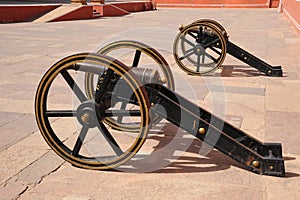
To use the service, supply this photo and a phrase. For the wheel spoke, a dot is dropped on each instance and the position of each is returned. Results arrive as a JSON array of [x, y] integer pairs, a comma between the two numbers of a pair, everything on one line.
[[101, 87], [111, 141], [187, 41], [191, 34], [186, 55], [120, 117], [198, 63], [122, 113], [203, 58], [190, 50], [60, 113], [80, 140], [212, 58], [136, 59], [212, 42], [215, 50], [80, 95]]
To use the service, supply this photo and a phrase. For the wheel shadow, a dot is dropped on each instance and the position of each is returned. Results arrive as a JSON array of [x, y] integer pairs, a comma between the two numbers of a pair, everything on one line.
[[239, 71]]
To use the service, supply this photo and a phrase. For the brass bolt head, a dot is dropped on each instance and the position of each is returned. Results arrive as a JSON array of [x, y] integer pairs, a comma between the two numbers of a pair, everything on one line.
[[269, 71], [163, 79], [180, 27], [255, 163], [85, 117], [202, 131], [271, 168], [152, 104]]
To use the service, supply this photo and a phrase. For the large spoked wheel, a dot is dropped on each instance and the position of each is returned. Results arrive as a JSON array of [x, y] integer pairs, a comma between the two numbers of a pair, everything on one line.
[[199, 48], [132, 54], [72, 124]]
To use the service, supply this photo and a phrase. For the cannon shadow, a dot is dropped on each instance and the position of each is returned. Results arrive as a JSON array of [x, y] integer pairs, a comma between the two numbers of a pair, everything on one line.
[[163, 158], [178, 153], [239, 71]]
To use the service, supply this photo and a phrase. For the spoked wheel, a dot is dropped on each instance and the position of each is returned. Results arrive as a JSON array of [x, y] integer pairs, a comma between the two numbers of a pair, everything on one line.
[[72, 124], [132, 54], [217, 25], [199, 48]]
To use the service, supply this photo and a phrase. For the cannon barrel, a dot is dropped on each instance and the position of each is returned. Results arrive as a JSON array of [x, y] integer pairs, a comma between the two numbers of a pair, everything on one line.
[[145, 75]]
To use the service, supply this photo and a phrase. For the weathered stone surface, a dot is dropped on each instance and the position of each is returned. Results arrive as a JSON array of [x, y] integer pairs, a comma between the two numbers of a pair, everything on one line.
[[16, 130], [7, 117], [283, 98], [45, 165], [283, 127], [20, 155], [179, 185], [12, 190]]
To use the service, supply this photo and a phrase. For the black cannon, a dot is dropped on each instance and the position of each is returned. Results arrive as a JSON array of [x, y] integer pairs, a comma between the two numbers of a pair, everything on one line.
[[201, 47], [118, 105]]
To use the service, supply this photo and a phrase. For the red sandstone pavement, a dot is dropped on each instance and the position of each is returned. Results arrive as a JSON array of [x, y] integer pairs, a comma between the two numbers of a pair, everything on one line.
[[266, 107]]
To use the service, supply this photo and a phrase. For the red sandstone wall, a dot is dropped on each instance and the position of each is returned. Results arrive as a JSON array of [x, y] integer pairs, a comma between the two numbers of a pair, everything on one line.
[[85, 12], [291, 8], [135, 6], [215, 3], [23, 13]]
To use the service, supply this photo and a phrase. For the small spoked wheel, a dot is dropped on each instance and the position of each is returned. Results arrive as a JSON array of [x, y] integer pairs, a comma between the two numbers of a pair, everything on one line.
[[73, 124], [199, 48], [133, 54]]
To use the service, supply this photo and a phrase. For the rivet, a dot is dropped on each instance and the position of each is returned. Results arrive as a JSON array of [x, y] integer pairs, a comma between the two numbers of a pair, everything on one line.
[[202, 131], [245, 58], [152, 104], [180, 27], [163, 79], [271, 168], [269, 71], [255, 163], [85, 117]]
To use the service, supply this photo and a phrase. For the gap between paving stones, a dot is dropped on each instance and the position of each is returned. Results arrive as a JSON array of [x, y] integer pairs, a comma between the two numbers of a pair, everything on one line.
[[31, 175]]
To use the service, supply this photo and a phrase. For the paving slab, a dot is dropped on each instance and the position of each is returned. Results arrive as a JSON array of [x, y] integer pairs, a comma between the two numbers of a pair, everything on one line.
[[266, 107]]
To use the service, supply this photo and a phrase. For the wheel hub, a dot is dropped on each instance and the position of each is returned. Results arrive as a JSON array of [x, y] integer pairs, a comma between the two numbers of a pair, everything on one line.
[[87, 115], [199, 50]]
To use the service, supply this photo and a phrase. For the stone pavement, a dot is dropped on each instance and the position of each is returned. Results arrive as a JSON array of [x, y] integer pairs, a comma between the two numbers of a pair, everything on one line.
[[266, 107]]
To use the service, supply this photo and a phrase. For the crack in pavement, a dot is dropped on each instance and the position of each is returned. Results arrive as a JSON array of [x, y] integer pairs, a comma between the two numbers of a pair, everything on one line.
[[31, 176]]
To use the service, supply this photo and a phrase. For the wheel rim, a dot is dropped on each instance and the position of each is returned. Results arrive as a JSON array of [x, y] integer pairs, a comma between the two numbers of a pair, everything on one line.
[[95, 145], [199, 48]]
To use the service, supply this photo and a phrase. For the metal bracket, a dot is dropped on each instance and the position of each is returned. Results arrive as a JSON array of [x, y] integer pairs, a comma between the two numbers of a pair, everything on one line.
[[255, 156], [253, 61]]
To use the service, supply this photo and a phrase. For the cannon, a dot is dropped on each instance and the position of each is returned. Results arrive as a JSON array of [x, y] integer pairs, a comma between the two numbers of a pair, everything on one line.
[[119, 104], [201, 47]]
